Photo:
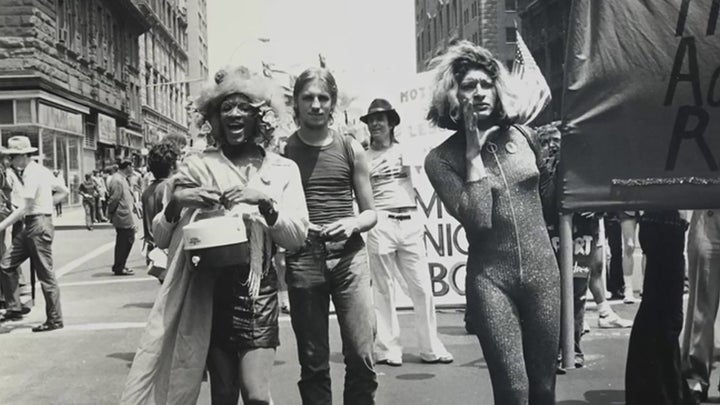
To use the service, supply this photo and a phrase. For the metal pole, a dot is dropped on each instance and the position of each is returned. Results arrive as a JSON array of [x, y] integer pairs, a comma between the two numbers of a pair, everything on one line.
[[567, 327]]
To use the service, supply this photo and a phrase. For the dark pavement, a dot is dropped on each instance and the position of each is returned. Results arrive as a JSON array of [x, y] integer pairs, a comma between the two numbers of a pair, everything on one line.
[[86, 363]]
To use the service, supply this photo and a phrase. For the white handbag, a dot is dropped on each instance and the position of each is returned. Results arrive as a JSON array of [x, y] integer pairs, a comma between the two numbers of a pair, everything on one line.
[[218, 241]]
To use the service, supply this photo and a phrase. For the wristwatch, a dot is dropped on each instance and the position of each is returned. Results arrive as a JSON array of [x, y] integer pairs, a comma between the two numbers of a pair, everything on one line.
[[268, 208]]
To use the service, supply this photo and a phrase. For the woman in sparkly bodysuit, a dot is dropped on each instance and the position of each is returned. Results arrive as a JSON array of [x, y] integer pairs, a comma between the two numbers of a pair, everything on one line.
[[487, 176]]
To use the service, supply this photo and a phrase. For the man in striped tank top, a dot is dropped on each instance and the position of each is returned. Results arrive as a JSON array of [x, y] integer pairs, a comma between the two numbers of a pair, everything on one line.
[[333, 262]]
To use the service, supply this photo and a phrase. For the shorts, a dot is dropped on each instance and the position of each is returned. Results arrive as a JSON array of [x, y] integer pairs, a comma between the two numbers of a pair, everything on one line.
[[239, 321]]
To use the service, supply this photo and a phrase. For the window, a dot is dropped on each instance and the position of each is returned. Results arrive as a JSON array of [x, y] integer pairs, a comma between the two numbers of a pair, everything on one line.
[[466, 16], [22, 111], [90, 137], [510, 5], [510, 35], [62, 22], [6, 112], [455, 12], [474, 10], [447, 18], [440, 17]]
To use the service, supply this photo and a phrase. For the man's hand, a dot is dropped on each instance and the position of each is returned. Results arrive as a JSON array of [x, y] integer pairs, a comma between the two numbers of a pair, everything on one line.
[[197, 197], [382, 168], [340, 229]]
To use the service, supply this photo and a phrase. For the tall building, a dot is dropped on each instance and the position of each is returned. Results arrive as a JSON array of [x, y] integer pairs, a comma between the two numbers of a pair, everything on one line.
[[164, 62], [545, 25], [69, 80], [198, 70], [489, 23]]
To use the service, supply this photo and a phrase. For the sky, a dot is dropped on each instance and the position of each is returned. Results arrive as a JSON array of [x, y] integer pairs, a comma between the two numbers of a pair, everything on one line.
[[368, 44]]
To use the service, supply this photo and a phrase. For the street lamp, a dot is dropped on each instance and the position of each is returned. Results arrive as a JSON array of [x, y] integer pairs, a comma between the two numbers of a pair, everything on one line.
[[264, 40]]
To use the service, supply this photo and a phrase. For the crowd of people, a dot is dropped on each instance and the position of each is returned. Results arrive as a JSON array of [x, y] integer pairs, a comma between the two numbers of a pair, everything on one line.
[[330, 221]]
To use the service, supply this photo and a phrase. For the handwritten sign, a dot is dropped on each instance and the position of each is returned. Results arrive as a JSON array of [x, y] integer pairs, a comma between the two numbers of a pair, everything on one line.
[[642, 106]]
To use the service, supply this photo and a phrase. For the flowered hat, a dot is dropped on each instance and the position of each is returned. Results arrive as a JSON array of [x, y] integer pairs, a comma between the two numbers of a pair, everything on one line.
[[265, 95]]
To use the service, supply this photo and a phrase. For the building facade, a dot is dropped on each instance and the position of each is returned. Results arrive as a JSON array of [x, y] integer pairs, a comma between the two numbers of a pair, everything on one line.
[[545, 25], [163, 68], [489, 23], [69, 79], [198, 70]]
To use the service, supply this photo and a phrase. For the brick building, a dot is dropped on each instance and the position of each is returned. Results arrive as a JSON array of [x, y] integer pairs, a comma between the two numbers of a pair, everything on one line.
[[489, 23], [545, 25], [69, 79], [198, 69], [163, 67]]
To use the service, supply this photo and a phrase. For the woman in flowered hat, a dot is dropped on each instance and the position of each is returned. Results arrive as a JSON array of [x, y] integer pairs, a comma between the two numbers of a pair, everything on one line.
[[223, 317]]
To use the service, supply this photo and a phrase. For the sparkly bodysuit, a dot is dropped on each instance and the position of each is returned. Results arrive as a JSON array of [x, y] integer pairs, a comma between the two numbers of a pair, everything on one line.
[[513, 281]]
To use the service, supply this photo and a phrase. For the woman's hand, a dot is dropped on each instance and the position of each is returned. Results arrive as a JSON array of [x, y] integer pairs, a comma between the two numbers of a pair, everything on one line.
[[197, 197], [340, 229], [237, 195], [474, 138]]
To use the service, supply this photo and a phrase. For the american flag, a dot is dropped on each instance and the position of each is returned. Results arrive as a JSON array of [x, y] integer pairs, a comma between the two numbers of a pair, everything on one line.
[[533, 92]]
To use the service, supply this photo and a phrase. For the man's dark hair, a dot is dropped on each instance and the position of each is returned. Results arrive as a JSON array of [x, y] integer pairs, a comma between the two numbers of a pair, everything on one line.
[[124, 164], [88, 176], [162, 158]]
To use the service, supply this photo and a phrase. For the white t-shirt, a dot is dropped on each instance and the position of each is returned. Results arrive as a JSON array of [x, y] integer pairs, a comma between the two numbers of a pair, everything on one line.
[[393, 187], [38, 184]]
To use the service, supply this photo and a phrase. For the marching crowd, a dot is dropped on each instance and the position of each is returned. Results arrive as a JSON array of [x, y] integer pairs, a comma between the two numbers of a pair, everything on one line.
[[343, 219]]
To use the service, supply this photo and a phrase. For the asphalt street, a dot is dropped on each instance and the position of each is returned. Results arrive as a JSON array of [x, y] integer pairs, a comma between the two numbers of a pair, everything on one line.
[[87, 361]]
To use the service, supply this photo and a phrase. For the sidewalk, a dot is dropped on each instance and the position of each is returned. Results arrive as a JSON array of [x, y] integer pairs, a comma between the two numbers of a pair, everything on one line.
[[73, 217]]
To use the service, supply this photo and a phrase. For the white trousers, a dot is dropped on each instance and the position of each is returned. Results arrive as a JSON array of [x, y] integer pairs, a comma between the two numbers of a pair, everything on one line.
[[704, 282], [397, 257]]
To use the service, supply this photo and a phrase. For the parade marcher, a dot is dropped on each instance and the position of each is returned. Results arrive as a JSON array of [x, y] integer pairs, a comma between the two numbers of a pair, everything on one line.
[[162, 161], [653, 373], [395, 244], [61, 179], [239, 339], [89, 193], [704, 282], [121, 210], [101, 200], [40, 191], [586, 233], [488, 177], [333, 262]]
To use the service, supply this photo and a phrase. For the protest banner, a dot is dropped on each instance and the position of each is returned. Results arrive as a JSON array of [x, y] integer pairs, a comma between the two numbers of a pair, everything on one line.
[[642, 105]]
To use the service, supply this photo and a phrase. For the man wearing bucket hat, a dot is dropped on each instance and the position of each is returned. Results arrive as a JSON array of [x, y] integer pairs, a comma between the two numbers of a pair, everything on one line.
[[395, 244], [40, 191]]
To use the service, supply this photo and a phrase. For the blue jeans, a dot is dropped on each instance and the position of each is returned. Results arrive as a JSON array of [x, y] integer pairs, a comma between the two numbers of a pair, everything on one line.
[[320, 271]]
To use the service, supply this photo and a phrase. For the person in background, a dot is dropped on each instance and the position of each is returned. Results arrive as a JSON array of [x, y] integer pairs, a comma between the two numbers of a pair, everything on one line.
[[333, 262], [101, 200], [121, 209], [40, 191], [653, 373], [162, 162], [89, 192], [588, 224], [490, 176], [61, 179], [703, 251], [395, 244]]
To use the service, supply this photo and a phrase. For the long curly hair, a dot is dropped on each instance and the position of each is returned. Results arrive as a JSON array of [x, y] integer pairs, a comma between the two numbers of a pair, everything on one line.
[[450, 68], [265, 95]]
